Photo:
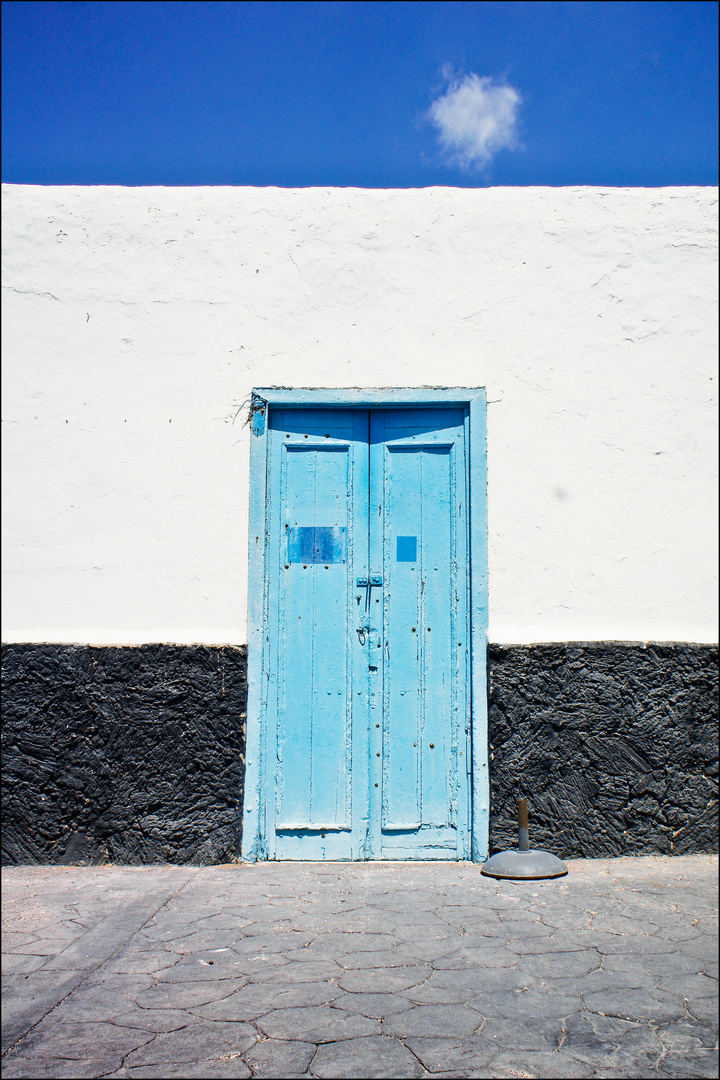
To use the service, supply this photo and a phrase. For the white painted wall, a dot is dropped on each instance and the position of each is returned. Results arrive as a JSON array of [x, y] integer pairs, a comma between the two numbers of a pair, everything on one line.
[[137, 321]]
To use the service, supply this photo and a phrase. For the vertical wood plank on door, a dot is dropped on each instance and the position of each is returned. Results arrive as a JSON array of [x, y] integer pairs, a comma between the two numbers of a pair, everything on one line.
[[418, 483], [313, 456]]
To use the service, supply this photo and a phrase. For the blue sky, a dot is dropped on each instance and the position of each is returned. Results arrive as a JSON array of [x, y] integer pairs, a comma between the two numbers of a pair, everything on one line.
[[361, 94]]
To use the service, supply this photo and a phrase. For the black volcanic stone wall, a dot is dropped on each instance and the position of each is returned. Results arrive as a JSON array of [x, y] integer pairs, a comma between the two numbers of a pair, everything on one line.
[[614, 745], [121, 754], [136, 755]]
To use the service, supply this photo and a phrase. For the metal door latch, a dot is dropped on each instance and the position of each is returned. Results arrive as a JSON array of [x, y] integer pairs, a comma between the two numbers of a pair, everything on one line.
[[363, 582]]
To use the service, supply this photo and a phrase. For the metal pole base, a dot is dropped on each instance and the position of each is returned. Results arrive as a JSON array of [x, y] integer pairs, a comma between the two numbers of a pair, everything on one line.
[[524, 864]]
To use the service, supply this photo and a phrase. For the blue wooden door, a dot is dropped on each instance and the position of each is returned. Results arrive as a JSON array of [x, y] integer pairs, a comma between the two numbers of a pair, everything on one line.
[[367, 645]]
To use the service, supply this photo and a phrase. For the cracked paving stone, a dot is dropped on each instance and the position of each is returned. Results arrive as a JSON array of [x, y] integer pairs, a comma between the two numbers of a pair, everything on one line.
[[463, 1055], [476, 958], [659, 964], [702, 950], [93, 1005], [256, 999], [627, 1074], [314, 953], [221, 921], [168, 936], [342, 942], [374, 1006], [206, 1041], [562, 964], [487, 938], [689, 986], [547, 1065], [613, 944], [27, 998], [280, 1058], [566, 920], [433, 1020], [694, 1064], [625, 925], [573, 941], [58, 1038], [531, 1034], [387, 958], [461, 984], [197, 970], [21, 963], [433, 994], [429, 951], [672, 965], [415, 937], [200, 943], [22, 1066], [178, 996], [155, 1020], [703, 1009], [278, 942], [297, 971], [216, 1069], [110, 982], [605, 980], [708, 925], [617, 1044], [679, 934], [140, 963], [525, 927], [556, 944], [253, 965], [376, 1056], [634, 1004], [383, 980], [14, 939], [319, 1023], [517, 1004], [688, 1034]]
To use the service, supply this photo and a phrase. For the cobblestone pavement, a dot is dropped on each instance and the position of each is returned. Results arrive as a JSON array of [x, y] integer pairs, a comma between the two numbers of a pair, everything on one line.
[[361, 970]]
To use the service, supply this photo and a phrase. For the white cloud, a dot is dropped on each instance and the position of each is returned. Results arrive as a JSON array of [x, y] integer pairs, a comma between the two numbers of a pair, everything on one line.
[[475, 118]]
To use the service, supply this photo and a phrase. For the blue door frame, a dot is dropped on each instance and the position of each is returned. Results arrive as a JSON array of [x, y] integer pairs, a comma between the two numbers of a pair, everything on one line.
[[261, 750]]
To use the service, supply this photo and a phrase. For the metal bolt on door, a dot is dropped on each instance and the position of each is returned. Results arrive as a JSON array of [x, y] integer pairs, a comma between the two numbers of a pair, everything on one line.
[[366, 670]]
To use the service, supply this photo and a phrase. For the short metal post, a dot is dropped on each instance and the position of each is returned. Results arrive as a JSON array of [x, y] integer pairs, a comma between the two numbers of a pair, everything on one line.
[[523, 824]]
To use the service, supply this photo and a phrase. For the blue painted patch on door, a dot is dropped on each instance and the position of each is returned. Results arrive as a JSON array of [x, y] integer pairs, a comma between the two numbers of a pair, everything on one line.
[[311, 544], [407, 549]]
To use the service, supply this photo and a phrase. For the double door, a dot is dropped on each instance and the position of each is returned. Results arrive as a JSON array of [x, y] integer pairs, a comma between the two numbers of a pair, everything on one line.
[[366, 651]]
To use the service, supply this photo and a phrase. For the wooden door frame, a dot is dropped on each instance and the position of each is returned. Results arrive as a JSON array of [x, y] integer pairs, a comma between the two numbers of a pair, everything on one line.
[[254, 825]]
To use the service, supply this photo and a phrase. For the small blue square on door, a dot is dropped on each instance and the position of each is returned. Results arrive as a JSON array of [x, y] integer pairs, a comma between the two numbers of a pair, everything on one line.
[[407, 549]]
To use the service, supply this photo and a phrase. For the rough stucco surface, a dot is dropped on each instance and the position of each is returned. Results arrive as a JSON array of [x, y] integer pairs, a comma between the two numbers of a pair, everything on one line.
[[127, 755], [138, 320], [136, 755], [614, 746]]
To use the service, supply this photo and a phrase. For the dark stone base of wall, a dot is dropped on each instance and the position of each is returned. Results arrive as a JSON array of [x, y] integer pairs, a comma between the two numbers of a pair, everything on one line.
[[124, 755], [614, 746], [136, 754]]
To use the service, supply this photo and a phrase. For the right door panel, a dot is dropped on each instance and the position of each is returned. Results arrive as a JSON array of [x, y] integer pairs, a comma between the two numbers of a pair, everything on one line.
[[418, 535]]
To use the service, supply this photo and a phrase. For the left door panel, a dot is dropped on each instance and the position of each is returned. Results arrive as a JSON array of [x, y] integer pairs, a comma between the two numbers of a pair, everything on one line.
[[316, 763]]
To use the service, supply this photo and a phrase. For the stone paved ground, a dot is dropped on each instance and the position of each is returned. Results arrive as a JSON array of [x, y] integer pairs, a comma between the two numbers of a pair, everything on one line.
[[361, 970]]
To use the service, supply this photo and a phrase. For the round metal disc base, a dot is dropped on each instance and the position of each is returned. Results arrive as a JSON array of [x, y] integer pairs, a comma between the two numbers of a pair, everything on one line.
[[523, 864]]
